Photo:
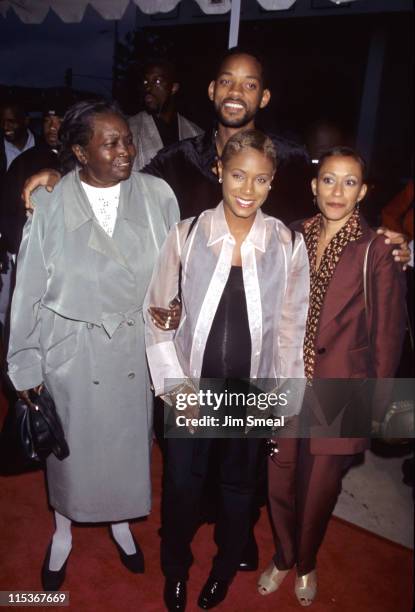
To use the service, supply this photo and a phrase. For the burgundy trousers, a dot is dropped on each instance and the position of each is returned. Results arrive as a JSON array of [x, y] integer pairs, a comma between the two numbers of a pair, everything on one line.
[[303, 490]]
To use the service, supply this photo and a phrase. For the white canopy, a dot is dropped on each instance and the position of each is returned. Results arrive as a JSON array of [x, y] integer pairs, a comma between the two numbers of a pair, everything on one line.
[[72, 11]]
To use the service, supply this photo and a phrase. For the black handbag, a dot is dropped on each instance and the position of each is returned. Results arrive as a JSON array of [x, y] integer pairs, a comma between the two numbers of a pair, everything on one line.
[[40, 429]]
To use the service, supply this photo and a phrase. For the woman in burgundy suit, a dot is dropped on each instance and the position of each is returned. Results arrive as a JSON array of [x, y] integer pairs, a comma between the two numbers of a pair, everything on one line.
[[305, 474]]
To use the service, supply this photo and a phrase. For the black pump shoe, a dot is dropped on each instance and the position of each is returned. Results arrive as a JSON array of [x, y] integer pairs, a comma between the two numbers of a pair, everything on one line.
[[212, 593], [52, 580], [134, 562], [175, 595]]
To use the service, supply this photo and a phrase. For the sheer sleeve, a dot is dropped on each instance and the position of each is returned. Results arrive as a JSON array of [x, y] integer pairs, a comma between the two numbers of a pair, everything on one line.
[[290, 366], [161, 353], [294, 314]]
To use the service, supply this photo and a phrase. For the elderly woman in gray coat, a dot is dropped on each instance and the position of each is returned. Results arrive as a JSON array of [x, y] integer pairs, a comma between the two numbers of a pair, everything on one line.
[[83, 269]]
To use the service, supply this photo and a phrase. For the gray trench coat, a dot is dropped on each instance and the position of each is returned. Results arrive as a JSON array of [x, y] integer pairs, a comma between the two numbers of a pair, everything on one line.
[[77, 325]]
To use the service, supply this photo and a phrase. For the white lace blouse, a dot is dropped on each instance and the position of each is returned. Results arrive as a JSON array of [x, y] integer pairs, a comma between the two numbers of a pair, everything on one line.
[[104, 203]]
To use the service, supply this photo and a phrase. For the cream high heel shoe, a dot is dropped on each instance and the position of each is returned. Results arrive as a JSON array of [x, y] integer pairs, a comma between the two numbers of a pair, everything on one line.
[[306, 588], [270, 580]]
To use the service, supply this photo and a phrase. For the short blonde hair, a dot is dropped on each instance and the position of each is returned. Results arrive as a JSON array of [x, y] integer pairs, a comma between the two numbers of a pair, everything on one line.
[[249, 139]]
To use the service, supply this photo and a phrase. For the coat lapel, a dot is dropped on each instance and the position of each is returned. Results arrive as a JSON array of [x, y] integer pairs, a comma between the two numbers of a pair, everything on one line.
[[186, 128], [148, 141], [347, 279], [101, 242], [132, 232]]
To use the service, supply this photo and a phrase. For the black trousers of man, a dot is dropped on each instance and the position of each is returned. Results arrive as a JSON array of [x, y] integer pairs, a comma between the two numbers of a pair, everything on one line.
[[185, 470]]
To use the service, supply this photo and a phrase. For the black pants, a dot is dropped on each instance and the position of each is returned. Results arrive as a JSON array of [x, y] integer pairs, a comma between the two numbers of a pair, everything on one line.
[[186, 466]]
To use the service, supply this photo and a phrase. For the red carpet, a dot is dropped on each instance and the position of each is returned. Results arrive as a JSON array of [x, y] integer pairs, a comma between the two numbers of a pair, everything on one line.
[[358, 571]]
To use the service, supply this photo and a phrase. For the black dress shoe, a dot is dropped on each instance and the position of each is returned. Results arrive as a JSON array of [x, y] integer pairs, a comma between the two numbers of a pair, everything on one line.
[[212, 593], [175, 595], [52, 580], [249, 560], [134, 562]]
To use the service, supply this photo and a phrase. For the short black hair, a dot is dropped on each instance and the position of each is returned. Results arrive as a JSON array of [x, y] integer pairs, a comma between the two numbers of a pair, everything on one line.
[[16, 105], [340, 151], [246, 50], [76, 128], [250, 139], [58, 109], [168, 65]]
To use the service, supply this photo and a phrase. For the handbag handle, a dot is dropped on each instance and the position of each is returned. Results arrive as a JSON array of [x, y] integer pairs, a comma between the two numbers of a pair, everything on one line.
[[366, 295], [365, 289], [179, 284]]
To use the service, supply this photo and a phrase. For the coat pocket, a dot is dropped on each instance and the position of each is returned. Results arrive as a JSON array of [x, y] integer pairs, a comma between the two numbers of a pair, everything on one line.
[[60, 352], [359, 362]]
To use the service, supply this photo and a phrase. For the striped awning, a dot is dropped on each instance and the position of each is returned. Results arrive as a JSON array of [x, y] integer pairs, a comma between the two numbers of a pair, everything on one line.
[[72, 11]]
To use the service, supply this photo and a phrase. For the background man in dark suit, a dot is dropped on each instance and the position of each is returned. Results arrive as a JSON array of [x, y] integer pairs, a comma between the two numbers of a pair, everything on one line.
[[43, 155]]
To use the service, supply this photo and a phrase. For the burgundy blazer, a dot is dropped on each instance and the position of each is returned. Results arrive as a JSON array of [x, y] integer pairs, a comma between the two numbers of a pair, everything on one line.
[[342, 345]]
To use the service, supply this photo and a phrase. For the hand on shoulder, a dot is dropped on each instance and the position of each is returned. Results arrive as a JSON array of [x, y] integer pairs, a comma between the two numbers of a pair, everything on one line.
[[47, 178]]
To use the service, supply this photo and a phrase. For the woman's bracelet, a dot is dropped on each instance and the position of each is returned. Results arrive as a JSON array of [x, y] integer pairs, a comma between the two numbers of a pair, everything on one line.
[[184, 387]]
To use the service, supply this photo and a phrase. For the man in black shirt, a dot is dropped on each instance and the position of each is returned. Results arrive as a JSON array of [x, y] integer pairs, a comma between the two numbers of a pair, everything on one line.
[[190, 166]]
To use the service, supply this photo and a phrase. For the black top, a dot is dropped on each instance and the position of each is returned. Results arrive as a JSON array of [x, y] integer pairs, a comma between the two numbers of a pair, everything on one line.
[[3, 156], [228, 347], [169, 132], [187, 167]]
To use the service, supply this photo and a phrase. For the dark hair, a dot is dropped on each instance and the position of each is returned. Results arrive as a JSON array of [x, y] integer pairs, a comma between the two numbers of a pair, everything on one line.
[[339, 151], [166, 64], [76, 128], [15, 105], [252, 139], [253, 52]]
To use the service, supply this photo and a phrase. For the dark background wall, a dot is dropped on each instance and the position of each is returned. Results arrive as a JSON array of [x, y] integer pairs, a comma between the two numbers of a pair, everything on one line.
[[318, 66], [317, 70]]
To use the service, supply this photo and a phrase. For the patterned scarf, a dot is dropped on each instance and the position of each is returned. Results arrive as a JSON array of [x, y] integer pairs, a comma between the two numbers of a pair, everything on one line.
[[320, 279]]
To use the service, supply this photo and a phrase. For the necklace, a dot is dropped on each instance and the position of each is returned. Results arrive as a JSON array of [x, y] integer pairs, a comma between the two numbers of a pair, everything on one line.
[[215, 167]]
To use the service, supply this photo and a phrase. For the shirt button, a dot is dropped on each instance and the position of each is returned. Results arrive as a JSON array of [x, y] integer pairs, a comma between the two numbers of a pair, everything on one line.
[[96, 382], [131, 375], [130, 322]]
